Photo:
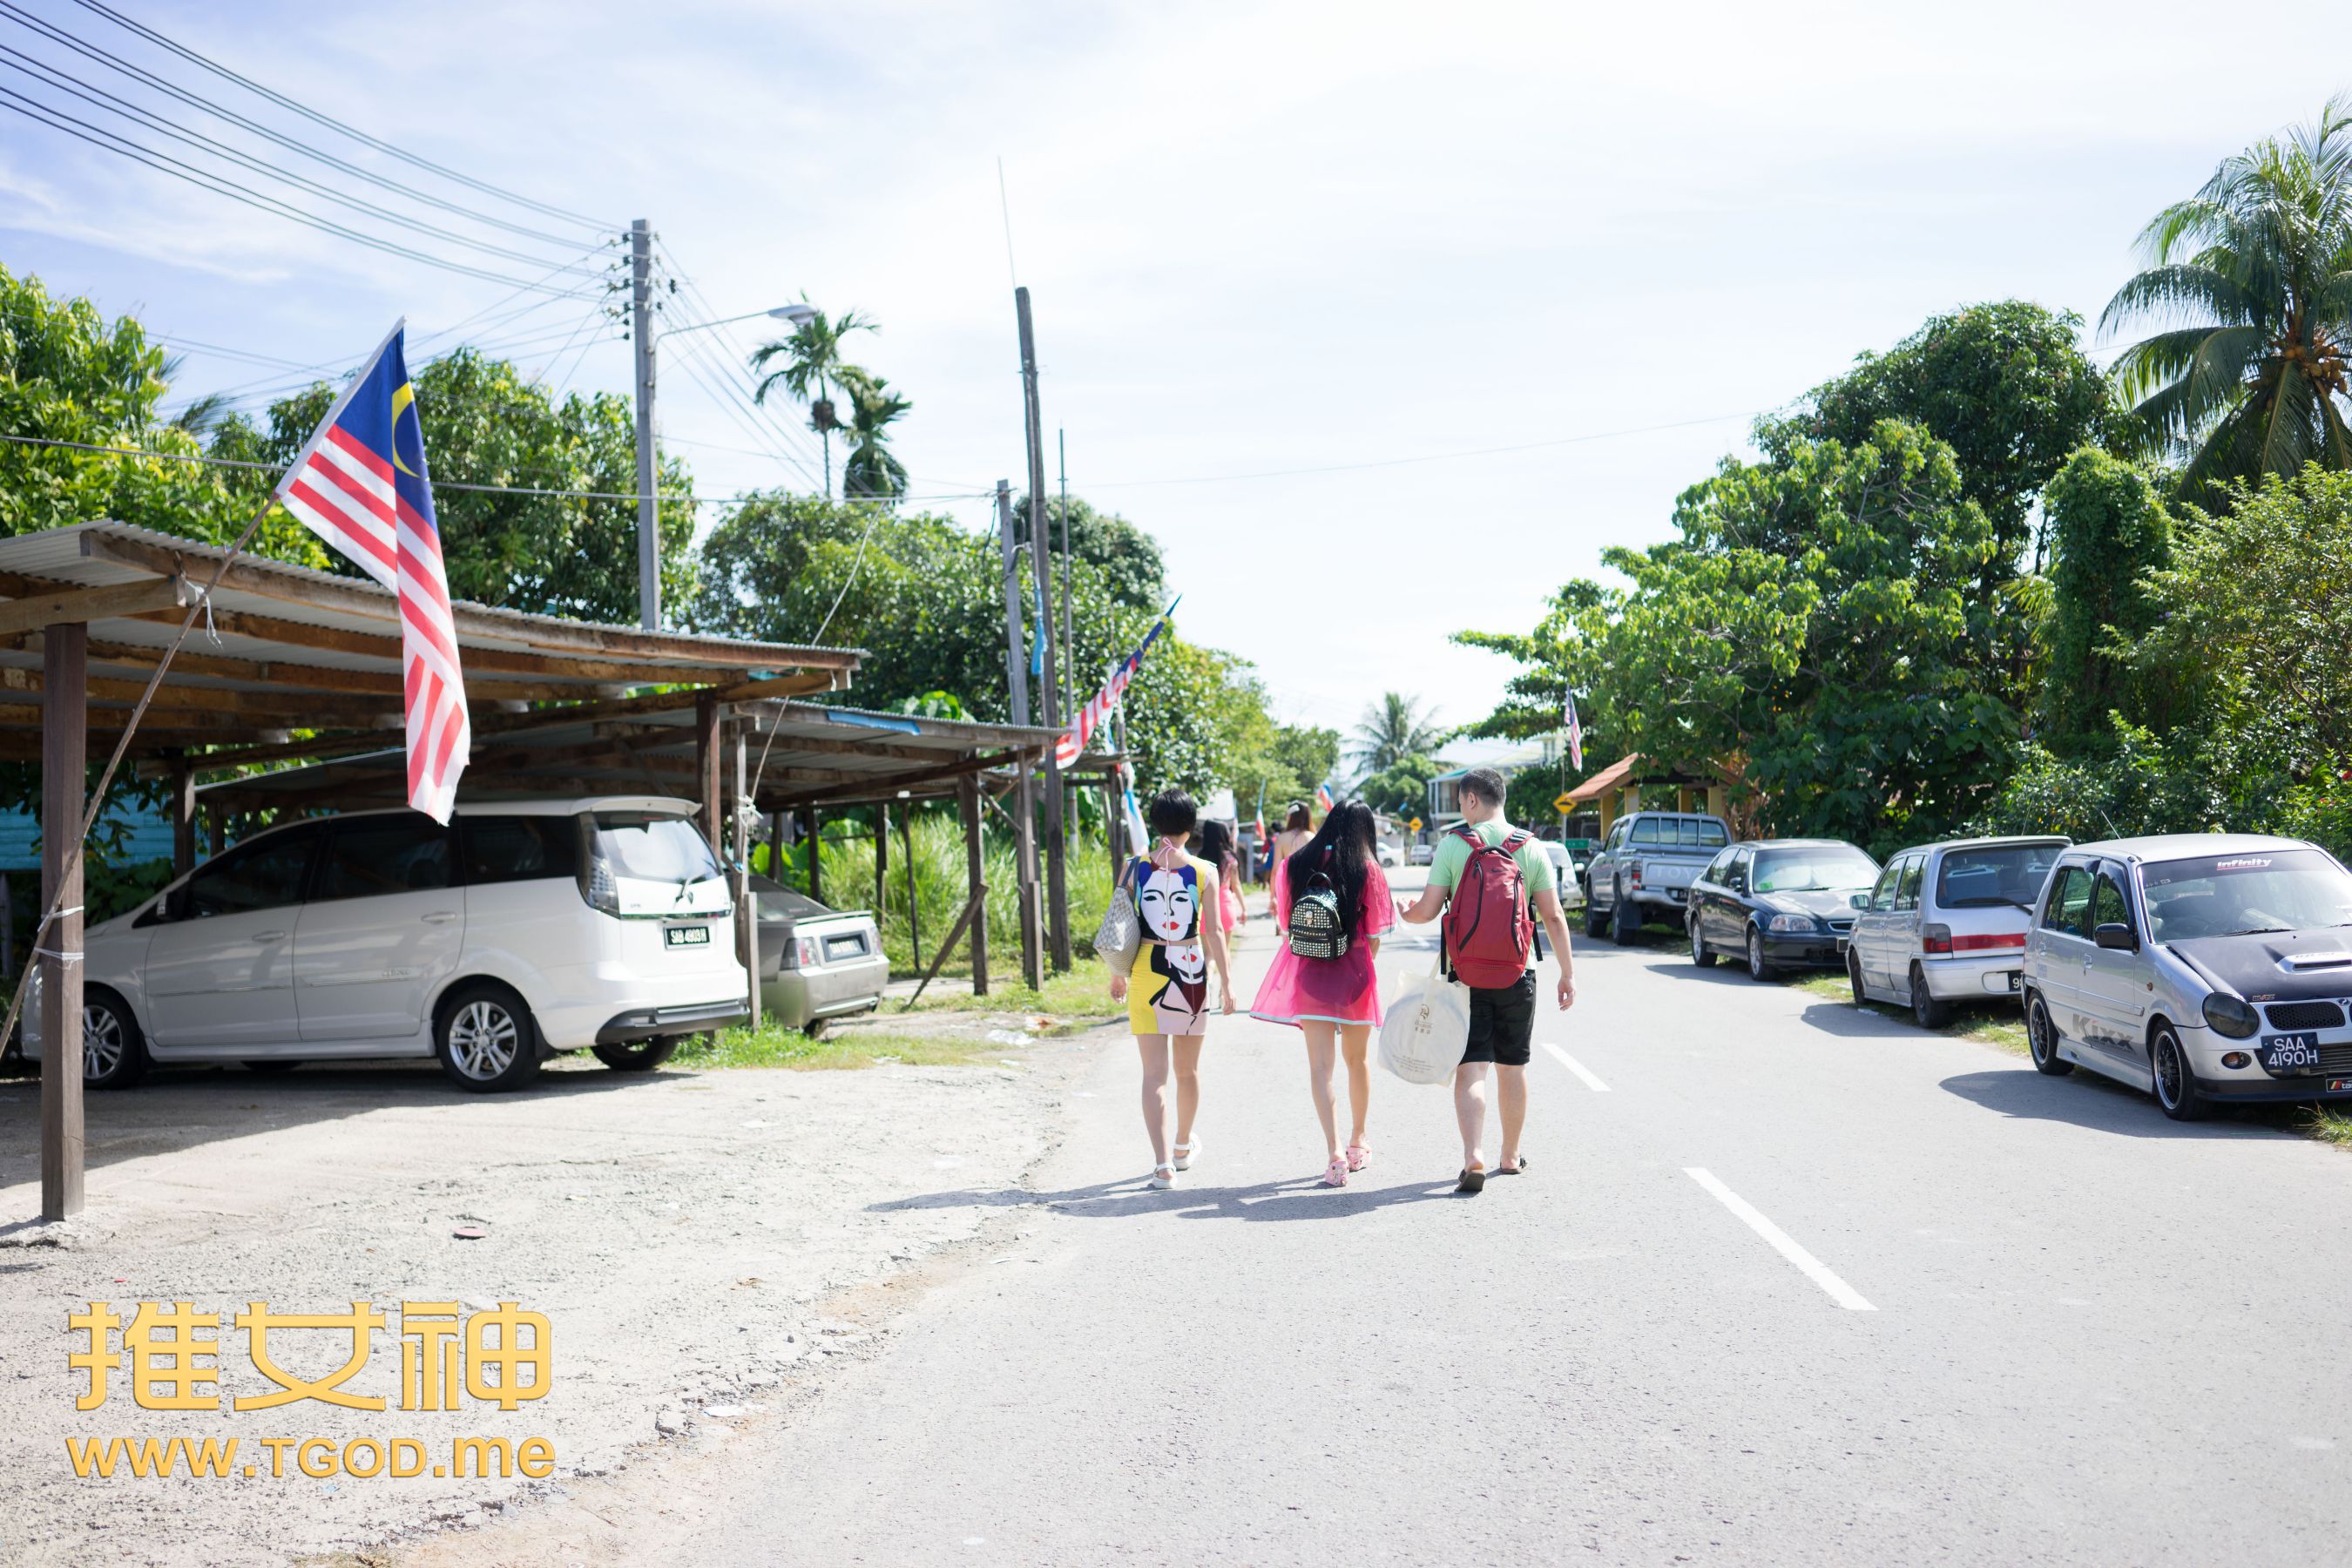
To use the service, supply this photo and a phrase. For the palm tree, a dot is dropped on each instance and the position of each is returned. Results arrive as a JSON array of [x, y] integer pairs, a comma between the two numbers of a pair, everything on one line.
[[871, 469], [813, 366], [1395, 728], [2256, 268]]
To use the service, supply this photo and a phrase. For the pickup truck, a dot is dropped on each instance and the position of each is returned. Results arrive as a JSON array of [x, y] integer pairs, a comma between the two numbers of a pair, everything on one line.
[[1643, 869]]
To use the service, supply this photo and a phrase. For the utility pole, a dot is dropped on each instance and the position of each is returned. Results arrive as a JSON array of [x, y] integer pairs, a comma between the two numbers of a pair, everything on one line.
[[1017, 669], [641, 338], [1017, 658], [1072, 698], [1058, 890]]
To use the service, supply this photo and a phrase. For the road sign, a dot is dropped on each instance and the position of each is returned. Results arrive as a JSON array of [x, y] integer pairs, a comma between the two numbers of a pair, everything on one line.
[[1566, 803], [1415, 825]]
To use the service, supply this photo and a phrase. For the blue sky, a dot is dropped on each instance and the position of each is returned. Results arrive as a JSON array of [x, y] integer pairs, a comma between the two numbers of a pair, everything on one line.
[[1260, 238]]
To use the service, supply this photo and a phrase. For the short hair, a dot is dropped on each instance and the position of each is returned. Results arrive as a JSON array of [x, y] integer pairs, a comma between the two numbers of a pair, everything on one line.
[[1171, 813], [1485, 783]]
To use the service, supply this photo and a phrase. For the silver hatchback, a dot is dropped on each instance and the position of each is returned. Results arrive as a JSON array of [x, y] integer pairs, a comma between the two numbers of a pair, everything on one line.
[[2204, 968], [1947, 922]]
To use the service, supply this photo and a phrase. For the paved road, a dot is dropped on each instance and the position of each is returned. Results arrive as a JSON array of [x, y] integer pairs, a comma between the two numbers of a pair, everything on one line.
[[2090, 1335]]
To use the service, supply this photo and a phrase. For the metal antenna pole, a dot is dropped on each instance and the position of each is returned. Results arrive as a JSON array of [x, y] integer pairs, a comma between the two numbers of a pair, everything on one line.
[[641, 337], [1057, 901]]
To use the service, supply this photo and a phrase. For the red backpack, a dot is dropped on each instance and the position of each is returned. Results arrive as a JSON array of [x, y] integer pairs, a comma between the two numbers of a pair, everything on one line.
[[1489, 929]]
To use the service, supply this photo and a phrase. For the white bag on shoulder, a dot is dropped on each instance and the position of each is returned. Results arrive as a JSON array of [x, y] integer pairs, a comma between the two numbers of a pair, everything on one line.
[[1427, 1029]]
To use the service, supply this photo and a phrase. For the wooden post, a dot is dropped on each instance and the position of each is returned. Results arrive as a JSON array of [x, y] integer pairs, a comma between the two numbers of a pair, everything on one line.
[[709, 754], [975, 883], [776, 844], [914, 893], [1113, 827], [881, 861], [816, 854], [1024, 841], [747, 904], [65, 738], [8, 926], [183, 814]]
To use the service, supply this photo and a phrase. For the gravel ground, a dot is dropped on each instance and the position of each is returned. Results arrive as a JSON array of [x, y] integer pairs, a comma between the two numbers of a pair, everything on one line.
[[693, 1237]]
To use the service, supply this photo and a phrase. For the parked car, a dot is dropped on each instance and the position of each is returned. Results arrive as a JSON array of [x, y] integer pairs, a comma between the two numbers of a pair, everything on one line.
[[1776, 903], [1947, 922], [1388, 855], [815, 963], [1644, 867], [518, 931], [1421, 854], [1566, 875], [2206, 969]]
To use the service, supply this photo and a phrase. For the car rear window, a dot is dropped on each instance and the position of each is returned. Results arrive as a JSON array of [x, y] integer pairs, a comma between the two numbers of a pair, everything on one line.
[[1994, 876], [653, 847], [520, 848]]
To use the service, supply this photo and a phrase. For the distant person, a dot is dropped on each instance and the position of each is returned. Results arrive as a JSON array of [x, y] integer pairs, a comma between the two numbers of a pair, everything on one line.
[[1217, 847], [1484, 875], [1168, 994], [1335, 1001], [1297, 827]]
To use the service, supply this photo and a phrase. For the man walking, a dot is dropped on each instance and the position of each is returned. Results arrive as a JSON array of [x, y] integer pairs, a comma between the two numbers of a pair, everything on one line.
[[1484, 877]]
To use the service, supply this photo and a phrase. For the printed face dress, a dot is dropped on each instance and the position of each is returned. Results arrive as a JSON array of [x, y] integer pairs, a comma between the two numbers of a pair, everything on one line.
[[1169, 992]]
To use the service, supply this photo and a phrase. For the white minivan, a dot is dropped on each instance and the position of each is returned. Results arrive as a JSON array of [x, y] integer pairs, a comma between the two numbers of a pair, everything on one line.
[[521, 929], [1947, 922]]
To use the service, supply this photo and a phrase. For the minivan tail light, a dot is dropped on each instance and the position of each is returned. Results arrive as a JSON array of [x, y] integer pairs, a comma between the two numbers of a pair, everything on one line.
[[1935, 938], [597, 884]]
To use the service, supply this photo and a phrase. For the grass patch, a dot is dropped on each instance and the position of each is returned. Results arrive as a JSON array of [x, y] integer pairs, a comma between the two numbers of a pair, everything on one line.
[[1083, 993], [2327, 1126], [1994, 1027], [772, 1045]]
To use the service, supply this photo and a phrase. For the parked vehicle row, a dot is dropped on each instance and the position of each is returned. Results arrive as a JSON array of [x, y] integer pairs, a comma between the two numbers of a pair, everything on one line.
[[518, 931]]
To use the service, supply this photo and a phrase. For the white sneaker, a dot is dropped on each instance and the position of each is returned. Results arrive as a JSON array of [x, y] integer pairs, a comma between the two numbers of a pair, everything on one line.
[[1184, 1153], [1162, 1178]]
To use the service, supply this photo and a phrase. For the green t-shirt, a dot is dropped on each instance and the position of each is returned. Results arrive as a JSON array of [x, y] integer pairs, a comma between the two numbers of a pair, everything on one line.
[[1446, 862]]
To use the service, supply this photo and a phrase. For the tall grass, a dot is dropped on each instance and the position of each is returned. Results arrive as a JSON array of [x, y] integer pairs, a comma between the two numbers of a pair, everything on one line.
[[934, 885]]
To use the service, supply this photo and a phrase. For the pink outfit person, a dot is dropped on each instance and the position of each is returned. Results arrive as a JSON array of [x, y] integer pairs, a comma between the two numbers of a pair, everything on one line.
[[1343, 990]]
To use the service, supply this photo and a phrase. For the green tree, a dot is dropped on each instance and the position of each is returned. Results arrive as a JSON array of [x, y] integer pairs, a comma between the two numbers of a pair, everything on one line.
[[2256, 270], [2108, 530], [813, 367], [1553, 659], [872, 470], [2005, 384], [1401, 788], [1392, 729], [486, 423], [1128, 557]]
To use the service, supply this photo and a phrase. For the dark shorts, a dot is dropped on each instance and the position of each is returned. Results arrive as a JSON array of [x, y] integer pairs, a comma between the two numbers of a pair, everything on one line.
[[1502, 1023]]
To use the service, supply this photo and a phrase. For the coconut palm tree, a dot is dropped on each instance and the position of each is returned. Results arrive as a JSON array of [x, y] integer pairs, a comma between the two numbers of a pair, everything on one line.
[[871, 469], [2254, 275], [1393, 728], [813, 367]]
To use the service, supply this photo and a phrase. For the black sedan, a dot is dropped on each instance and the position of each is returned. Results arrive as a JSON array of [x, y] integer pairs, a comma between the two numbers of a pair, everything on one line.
[[1778, 903]]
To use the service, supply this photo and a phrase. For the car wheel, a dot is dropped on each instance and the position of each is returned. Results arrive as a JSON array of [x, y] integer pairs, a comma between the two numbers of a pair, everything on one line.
[[1699, 954], [1624, 919], [1758, 969], [2042, 1039], [1930, 1011], [486, 1039], [1596, 919], [113, 1052], [1854, 978], [2176, 1085], [642, 1055]]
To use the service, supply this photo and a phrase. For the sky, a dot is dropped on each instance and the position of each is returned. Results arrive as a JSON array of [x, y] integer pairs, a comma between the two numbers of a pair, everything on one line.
[[1384, 321]]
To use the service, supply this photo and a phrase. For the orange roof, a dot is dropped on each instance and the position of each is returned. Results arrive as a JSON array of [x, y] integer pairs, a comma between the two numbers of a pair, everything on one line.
[[1607, 778]]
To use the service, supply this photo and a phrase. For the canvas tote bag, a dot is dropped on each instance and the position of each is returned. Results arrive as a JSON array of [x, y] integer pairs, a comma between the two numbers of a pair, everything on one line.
[[1427, 1028]]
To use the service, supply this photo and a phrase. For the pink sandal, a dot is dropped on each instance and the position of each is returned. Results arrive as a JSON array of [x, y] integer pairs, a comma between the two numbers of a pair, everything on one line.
[[1357, 1156], [1336, 1174]]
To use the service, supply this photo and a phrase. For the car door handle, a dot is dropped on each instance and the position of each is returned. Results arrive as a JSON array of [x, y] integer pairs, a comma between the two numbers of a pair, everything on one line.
[[439, 916]]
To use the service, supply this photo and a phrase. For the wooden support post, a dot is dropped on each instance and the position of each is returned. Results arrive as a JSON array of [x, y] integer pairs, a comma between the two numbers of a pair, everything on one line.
[[1113, 827], [747, 904], [972, 908], [776, 844], [1024, 841], [183, 816], [8, 926], [64, 720], [975, 885], [816, 854], [914, 893], [881, 861], [707, 755]]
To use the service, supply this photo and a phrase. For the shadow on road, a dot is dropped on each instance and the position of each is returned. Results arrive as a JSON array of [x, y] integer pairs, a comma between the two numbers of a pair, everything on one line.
[[2087, 1099], [1304, 1198]]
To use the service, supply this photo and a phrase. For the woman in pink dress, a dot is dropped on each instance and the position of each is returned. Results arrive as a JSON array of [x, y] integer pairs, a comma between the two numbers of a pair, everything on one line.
[[1335, 1002], [1217, 849]]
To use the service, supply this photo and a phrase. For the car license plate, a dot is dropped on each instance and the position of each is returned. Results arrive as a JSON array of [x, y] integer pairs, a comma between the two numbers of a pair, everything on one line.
[[2338, 1085], [700, 936], [2010, 977], [2289, 1054]]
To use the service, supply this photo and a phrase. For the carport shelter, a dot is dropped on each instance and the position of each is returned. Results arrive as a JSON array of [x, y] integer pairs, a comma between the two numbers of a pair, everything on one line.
[[281, 651]]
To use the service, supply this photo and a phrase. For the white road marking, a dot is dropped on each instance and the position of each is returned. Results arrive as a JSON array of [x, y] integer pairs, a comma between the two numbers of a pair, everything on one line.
[[1812, 1268], [1572, 1065]]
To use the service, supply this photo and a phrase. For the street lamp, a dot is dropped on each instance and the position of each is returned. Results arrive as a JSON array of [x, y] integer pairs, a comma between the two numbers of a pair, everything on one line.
[[798, 315]]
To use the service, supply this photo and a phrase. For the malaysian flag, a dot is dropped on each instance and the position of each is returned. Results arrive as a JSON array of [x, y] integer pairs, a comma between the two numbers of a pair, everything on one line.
[[1098, 707], [1575, 734], [359, 484]]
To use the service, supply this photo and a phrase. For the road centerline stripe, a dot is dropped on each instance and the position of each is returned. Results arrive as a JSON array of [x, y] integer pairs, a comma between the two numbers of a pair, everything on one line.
[[1572, 1065], [1782, 1242]]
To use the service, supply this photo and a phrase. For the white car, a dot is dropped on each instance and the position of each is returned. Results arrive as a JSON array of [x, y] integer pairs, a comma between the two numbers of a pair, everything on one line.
[[518, 931], [1567, 875], [1947, 923], [2206, 969]]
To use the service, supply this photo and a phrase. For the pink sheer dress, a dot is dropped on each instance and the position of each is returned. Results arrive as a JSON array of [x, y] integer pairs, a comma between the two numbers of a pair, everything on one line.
[[1343, 990]]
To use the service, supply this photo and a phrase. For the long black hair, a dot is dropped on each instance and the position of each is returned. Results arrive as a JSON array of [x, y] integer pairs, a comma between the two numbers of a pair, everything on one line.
[[1342, 850], [1216, 844]]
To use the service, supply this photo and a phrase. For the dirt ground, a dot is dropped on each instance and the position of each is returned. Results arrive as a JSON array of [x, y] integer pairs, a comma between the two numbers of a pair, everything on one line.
[[704, 1245]]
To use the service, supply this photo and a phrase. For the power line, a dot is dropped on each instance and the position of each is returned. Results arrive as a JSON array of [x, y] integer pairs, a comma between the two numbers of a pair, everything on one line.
[[279, 99]]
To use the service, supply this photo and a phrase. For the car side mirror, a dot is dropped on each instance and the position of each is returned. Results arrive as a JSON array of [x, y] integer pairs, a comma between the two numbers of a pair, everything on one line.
[[1857, 901], [2118, 936]]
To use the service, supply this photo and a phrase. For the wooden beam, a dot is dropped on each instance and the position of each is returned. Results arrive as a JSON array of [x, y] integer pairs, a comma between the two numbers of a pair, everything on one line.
[[975, 881], [884, 786], [81, 606], [292, 675], [64, 775], [779, 686], [18, 685]]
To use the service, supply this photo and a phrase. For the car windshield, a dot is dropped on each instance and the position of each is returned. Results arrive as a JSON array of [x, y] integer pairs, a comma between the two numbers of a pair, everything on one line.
[[1995, 875], [655, 848], [2246, 891], [1826, 869], [778, 902]]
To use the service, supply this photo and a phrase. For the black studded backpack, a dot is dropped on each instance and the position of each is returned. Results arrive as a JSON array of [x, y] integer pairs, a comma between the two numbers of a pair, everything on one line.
[[1317, 929]]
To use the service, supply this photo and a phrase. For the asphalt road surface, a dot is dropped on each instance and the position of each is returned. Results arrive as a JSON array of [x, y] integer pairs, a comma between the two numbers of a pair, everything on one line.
[[1786, 1283]]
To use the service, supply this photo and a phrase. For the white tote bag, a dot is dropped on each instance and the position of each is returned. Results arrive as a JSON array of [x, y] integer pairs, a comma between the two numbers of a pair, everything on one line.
[[1427, 1029]]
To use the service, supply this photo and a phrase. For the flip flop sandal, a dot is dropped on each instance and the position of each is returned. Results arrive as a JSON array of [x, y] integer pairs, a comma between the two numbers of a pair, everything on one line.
[[1519, 1169], [1471, 1181], [1357, 1156]]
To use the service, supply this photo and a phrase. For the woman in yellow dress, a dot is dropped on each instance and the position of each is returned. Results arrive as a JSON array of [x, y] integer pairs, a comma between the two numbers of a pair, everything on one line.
[[1167, 994]]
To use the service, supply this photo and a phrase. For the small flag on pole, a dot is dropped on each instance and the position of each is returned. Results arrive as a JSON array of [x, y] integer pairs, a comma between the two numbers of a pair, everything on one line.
[[359, 484], [1575, 734], [1098, 707], [1323, 797]]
